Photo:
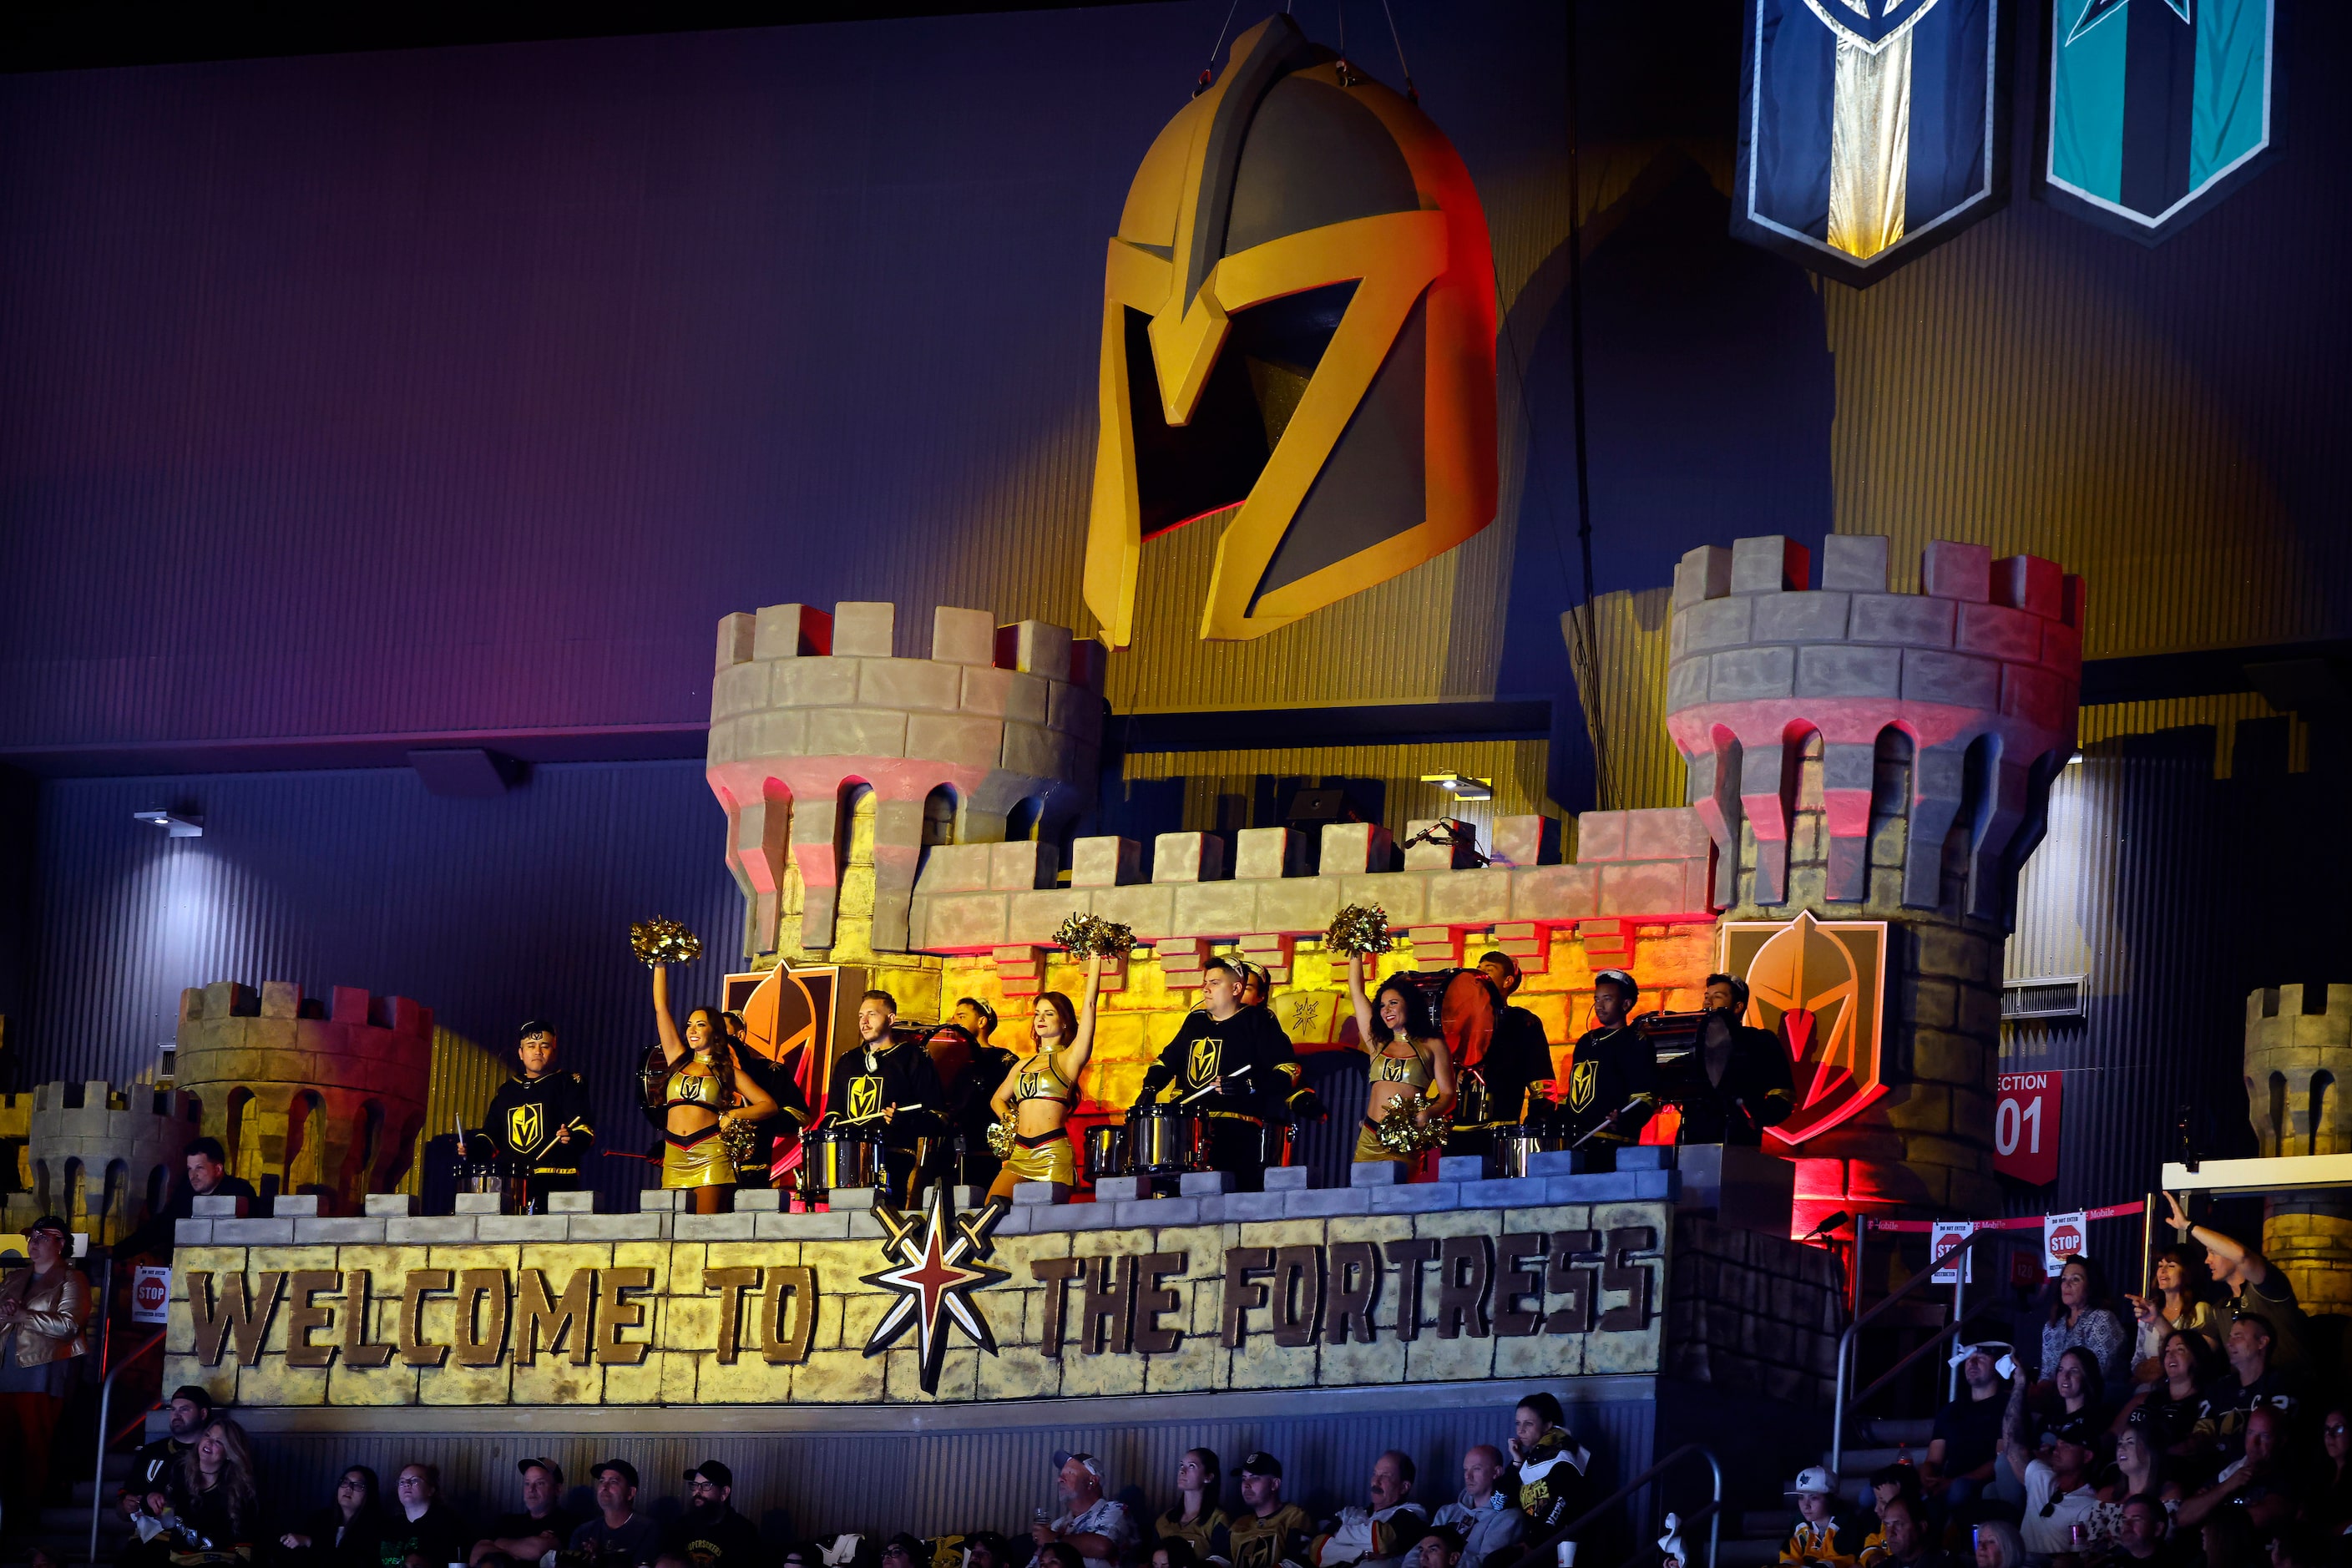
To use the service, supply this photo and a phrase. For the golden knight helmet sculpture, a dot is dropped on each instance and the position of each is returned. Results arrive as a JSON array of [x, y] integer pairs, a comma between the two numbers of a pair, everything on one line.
[[1298, 317]]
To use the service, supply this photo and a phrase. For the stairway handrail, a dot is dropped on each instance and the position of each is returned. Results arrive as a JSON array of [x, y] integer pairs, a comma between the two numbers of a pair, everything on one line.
[[1713, 1510], [1846, 1340]]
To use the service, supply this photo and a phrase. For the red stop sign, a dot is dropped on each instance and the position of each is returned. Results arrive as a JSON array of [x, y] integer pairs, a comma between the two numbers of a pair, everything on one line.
[[2065, 1241]]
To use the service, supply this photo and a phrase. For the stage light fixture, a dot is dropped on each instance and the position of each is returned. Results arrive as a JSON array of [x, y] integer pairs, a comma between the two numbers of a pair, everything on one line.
[[176, 824], [1462, 786]]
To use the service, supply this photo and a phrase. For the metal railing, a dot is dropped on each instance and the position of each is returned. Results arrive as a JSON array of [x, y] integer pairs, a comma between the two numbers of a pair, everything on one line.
[[1846, 1342], [105, 1405], [1540, 1552]]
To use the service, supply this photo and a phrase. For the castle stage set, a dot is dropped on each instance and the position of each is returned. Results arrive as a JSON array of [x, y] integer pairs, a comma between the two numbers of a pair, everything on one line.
[[1238, 942]]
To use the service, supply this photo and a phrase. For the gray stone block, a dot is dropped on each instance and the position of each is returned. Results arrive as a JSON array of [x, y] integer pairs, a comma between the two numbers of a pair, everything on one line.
[[294, 1205], [850, 1200], [1416, 1197], [1242, 1207], [1849, 669], [619, 1226], [1375, 1173], [1016, 1221], [1461, 1167], [1316, 1202], [1503, 1192], [391, 1205], [429, 1228], [1950, 677], [737, 637], [1025, 1194], [1645, 1157], [864, 628], [1075, 1216], [715, 1227], [1278, 1179], [1746, 674], [1702, 573], [1023, 864], [1769, 563], [571, 1203], [1717, 624], [959, 740], [1908, 618], [1801, 617], [1187, 857], [1037, 752], [856, 733], [1151, 1212], [193, 1232], [800, 1227], [338, 1232], [909, 683], [1950, 570], [1592, 1187], [1212, 1210], [253, 1232], [479, 1203], [523, 1227], [963, 637], [659, 1200], [1118, 1189], [759, 1200], [1004, 694], [1105, 862], [864, 1226], [1685, 683], [217, 1207], [1855, 562], [1263, 853]]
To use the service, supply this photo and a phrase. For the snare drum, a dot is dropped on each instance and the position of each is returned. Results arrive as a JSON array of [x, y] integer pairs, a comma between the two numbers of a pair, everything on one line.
[[1470, 1099], [1106, 1151], [1512, 1145], [1163, 1141], [841, 1157]]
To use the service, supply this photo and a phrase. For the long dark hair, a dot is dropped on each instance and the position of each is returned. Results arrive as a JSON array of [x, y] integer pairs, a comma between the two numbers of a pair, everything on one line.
[[236, 1473], [2096, 1295], [2202, 1359], [2190, 1293], [372, 1490], [722, 1051], [1418, 1024]]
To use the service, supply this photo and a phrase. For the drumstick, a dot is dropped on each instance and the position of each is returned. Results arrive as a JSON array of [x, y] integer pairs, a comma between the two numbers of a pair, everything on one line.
[[1206, 1088]]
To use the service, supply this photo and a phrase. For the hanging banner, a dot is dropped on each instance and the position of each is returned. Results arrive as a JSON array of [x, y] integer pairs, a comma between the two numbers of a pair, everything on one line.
[[2158, 108], [1869, 130], [2063, 1236]]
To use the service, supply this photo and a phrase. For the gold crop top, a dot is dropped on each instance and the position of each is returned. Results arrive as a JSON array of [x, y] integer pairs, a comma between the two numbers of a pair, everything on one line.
[[701, 1089], [1032, 1081], [1413, 1070]]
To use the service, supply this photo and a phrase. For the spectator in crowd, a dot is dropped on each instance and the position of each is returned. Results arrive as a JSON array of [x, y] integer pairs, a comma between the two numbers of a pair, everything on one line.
[[1997, 1545], [1377, 1536], [2074, 1390], [2058, 1494], [1196, 1519], [213, 1493], [43, 1306], [2230, 1540], [2250, 1383], [1819, 1540], [2079, 1315], [543, 1525], [1059, 1555], [1091, 1524], [2330, 1500], [150, 1468], [904, 1551], [2257, 1480], [1966, 1446], [1907, 1543], [1270, 1532], [419, 1527], [709, 1533], [2253, 1285], [617, 1532], [1480, 1513], [1555, 1485], [2176, 1404], [2172, 1304], [1174, 1552], [347, 1532], [2139, 1468], [982, 1548], [1888, 1482], [2140, 1526], [2302, 1548], [206, 1176], [1441, 1547]]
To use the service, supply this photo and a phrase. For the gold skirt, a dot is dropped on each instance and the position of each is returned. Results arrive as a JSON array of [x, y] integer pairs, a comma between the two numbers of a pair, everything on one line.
[[701, 1162], [1047, 1158], [1370, 1149]]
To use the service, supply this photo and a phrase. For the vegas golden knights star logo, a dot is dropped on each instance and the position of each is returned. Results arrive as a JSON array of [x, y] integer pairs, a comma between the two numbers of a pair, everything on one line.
[[1298, 327], [865, 1098], [525, 1127], [1580, 1085], [1205, 1059], [939, 1259]]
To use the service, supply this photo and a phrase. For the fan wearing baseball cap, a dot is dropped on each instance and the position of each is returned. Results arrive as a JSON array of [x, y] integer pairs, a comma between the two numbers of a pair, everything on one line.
[[542, 1526], [1269, 1530], [618, 1533], [1612, 1075], [1820, 1540], [709, 1533], [1965, 1448]]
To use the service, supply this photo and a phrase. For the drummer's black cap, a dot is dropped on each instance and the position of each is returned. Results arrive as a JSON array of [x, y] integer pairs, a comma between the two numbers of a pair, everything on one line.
[[1619, 979], [1261, 1463]]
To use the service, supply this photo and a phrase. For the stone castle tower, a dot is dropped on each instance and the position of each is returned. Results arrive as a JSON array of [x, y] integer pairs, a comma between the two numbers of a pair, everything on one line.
[[1865, 756], [2298, 1051]]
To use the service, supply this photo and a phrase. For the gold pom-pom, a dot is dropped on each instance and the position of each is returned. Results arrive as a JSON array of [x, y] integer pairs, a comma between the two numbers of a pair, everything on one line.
[[1000, 1138], [1399, 1131], [1359, 929], [741, 1140], [1082, 936], [664, 942]]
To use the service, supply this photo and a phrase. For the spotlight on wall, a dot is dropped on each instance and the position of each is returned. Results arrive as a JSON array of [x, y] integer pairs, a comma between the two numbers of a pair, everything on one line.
[[177, 823], [1461, 786]]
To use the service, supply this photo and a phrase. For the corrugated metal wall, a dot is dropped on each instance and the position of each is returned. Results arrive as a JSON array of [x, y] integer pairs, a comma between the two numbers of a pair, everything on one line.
[[817, 1484], [1219, 787], [489, 912]]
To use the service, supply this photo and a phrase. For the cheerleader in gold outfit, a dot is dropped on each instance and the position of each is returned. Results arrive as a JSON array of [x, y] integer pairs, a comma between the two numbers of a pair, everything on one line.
[[1039, 1095], [704, 1091], [1409, 1055]]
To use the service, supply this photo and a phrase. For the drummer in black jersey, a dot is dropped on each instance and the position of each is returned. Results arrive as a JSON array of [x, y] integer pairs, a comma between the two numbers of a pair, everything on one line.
[[1232, 1065], [970, 1066], [1517, 1058], [890, 1089], [1613, 1082], [539, 1121], [1737, 1082]]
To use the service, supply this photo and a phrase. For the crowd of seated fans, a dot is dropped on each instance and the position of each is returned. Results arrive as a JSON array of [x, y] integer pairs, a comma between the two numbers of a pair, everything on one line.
[[2187, 1428], [190, 1502]]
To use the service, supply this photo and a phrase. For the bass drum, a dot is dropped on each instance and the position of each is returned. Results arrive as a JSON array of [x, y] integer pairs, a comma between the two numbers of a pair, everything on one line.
[[1467, 1005]]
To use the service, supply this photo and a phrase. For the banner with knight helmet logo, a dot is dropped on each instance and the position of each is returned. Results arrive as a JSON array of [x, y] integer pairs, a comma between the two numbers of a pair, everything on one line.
[[1821, 986], [1870, 131]]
